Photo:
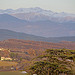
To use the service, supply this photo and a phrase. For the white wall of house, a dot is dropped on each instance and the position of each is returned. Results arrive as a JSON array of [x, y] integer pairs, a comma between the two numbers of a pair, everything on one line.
[[3, 58]]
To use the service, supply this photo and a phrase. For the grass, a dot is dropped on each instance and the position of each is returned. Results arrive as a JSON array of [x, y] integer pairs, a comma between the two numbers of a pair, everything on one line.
[[73, 69], [7, 63], [12, 73]]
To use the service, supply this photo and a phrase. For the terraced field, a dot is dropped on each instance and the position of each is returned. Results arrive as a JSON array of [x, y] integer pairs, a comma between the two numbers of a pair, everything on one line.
[[7, 63], [12, 73]]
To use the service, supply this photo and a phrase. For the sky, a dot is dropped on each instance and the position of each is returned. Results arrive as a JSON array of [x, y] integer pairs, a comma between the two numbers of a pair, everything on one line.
[[54, 5]]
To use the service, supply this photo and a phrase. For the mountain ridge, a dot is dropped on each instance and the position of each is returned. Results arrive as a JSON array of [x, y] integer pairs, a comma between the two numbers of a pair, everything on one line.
[[62, 16], [8, 34], [44, 28]]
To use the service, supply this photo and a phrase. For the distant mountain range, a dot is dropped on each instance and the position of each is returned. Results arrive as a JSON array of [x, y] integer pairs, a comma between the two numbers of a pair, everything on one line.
[[44, 28], [36, 14], [7, 34], [37, 21]]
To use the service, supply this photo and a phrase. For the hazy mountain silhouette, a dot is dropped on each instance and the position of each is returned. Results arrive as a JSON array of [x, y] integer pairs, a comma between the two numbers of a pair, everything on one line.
[[44, 28], [7, 34]]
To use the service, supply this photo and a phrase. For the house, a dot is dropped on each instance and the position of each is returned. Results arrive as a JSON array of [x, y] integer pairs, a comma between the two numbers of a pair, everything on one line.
[[1, 49], [5, 58], [13, 68], [2, 58]]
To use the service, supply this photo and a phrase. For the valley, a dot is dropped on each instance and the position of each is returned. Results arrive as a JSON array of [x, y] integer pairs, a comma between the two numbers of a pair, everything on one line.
[[23, 51], [36, 41]]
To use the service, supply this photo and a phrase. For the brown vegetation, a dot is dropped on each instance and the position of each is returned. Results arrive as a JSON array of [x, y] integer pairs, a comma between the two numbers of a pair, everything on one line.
[[23, 51], [29, 49]]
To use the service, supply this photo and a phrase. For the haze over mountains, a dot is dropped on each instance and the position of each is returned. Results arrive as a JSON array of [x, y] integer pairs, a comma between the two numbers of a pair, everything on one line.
[[34, 14], [37, 21], [7, 34]]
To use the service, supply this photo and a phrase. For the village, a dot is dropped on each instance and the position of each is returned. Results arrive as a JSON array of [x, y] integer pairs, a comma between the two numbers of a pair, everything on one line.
[[2, 57]]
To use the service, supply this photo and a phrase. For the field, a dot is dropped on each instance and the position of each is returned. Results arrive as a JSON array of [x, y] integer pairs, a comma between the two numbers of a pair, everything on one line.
[[7, 63], [12, 73]]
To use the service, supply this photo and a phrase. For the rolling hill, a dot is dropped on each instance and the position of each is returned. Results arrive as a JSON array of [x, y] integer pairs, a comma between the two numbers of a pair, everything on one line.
[[10, 22], [8, 34], [29, 49]]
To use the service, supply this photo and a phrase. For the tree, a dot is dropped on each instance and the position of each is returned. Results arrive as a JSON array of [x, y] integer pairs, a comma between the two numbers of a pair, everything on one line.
[[20, 59], [53, 62], [12, 55]]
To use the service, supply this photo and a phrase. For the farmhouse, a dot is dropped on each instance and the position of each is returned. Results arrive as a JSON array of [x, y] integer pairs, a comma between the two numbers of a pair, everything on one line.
[[1, 49], [5, 58]]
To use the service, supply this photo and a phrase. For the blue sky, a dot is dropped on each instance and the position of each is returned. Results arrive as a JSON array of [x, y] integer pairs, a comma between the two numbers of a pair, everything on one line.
[[54, 5]]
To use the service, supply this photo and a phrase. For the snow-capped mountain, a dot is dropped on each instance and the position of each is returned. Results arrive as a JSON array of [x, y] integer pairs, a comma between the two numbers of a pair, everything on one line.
[[35, 14], [26, 10]]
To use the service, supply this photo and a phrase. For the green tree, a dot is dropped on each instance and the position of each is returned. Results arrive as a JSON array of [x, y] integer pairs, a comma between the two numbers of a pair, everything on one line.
[[12, 55], [53, 62], [20, 59]]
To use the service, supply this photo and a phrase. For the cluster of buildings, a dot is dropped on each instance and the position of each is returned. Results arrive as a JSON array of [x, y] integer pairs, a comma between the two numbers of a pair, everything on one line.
[[2, 49], [6, 58]]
